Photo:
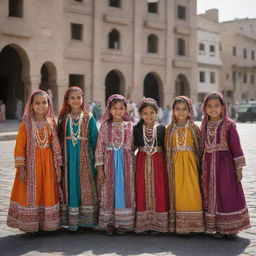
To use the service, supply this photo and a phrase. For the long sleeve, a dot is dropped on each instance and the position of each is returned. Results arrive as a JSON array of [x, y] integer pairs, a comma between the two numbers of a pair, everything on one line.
[[93, 133], [235, 147], [20, 147], [101, 146]]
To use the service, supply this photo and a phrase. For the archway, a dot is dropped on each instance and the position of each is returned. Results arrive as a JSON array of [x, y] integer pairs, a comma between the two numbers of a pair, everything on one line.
[[182, 86], [153, 88], [114, 83], [14, 77]]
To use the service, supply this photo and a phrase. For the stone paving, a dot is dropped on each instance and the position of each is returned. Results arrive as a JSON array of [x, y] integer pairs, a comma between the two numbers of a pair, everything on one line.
[[14, 242]]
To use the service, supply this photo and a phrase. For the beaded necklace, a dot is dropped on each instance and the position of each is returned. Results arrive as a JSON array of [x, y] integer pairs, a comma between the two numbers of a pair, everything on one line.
[[181, 133], [117, 132], [151, 140], [75, 136], [211, 133], [41, 141]]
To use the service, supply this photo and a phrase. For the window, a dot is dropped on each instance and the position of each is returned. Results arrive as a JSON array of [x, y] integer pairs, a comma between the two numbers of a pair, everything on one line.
[[212, 77], [245, 78], [181, 12], [152, 44], [201, 76], [212, 50], [79, 1], [76, 31], [153, 7], [113, 40], [76, 80], [234, 76], [220, 47], [252, 55], [201, 49], [16, 8], [115, 3], [252, 79], [181, 47], [234, 51], [245, 53]]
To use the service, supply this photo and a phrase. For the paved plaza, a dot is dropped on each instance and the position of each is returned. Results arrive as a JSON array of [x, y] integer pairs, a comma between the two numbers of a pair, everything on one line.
[[13, 242]]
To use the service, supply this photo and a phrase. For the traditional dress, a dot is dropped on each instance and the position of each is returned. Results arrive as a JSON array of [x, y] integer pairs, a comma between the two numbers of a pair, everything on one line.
[[224, 200], [183, 155], [152, 196], [78, 139], [34, 205], [113, 151]]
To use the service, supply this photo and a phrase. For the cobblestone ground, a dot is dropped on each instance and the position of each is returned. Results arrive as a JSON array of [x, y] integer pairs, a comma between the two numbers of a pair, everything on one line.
[[13, 242]]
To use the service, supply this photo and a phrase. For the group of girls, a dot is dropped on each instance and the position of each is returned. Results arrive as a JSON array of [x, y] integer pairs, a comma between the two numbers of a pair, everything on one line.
[[182, 179]]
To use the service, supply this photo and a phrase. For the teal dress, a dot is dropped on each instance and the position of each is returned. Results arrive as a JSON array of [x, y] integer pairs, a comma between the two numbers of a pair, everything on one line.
[[81, 214]]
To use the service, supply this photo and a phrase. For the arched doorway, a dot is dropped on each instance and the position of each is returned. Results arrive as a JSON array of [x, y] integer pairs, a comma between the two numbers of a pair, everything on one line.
[[182, 86], [114, 83], [153, 88], [48, 82], [14, 77]]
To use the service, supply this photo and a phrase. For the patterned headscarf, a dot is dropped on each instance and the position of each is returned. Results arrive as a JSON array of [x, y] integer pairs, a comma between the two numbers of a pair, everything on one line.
[[107, 116], [31, 143], [148, 101], [189, 103], [65, 107]]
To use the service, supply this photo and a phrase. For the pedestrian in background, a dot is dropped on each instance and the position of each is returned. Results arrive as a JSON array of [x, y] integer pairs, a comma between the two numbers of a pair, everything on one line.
[[78, 135], [115, 164], [182, 140], [34, 201], [2, 112], [223, 160]]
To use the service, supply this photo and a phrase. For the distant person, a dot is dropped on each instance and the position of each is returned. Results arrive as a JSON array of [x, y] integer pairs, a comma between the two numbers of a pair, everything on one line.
[[18, 113], [2, 112]]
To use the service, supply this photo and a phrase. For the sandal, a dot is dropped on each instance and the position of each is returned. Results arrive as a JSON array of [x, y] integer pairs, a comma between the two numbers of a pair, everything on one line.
[[218, 235], [110, 230], [120, 231], [231, 236]]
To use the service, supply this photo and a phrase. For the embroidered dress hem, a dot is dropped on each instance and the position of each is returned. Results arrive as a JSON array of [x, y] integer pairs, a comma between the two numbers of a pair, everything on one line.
[[123, 218], [150, 220], [83, 216], [227, 223], [33, 219]]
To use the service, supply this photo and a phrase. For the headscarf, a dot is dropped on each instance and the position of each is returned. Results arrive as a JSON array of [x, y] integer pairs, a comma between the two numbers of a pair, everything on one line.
[[31, 143], [107, 116], [148, 101], [65, 106]]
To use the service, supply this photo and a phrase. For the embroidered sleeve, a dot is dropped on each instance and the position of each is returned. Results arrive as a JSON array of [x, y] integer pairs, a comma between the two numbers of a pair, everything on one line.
[[101, 146], [236, 149], [20, 147]]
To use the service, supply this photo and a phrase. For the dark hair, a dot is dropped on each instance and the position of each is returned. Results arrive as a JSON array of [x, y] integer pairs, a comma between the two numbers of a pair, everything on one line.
[[215, 97], [39, 93], [179, 100], [71, 89], [142, 106], [112, 103]]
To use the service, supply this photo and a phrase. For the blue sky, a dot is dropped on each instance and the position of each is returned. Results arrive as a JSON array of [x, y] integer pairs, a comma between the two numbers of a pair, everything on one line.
[[229, 9]]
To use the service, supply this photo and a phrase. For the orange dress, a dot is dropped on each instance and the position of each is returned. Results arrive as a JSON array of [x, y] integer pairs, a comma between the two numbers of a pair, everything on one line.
[[42, 212]]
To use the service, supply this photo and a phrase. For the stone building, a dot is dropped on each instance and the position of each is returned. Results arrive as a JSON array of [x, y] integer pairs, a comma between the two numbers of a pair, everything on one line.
[[238, 76], [130, 47], [209, 59]]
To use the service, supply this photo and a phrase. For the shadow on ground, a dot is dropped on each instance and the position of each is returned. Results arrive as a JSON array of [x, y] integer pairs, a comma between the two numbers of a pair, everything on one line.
[[97, 243]]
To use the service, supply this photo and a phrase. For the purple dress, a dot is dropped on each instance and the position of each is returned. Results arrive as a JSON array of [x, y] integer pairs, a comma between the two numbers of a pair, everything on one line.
[[224, 200]]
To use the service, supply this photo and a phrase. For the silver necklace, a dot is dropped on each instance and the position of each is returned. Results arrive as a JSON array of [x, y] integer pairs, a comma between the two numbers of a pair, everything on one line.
[[120, 128], [149, 143], [75, 136]]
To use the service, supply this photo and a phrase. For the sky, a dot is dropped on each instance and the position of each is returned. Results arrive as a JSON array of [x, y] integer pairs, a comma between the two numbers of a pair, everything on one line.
[[229, 9]]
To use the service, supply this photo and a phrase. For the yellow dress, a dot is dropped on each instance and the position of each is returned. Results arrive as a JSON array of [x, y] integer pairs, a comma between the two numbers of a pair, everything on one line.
[[188, 199]]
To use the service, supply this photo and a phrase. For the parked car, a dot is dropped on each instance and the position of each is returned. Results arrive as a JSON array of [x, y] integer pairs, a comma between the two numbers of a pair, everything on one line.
[[247, 112]]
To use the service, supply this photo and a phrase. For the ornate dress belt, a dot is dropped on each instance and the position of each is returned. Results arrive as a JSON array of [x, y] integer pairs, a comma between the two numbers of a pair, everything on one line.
[[154, 150], [80, 138]]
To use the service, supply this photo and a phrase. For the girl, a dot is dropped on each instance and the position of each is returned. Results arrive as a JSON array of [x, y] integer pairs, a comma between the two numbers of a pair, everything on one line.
[[78, 135], [224, 202], [152, 198], [183, 154], [115, 164], [34, 202]]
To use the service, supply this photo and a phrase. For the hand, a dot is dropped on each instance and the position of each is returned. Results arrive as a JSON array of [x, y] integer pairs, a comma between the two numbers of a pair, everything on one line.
[[239, 175], [22, 174], [58, 174], [101, 175]]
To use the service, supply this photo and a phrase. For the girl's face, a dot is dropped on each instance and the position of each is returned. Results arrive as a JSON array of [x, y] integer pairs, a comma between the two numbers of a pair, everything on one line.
[[181, 112], [75, 100], [214, 109], [40, 105], [148, 114], [117, 111]]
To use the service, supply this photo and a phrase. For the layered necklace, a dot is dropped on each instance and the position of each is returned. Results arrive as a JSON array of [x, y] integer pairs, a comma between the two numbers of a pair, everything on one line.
[[181, 133], [150, 138], [211, 133], [117, 135], [41, 134], [73, 122]]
